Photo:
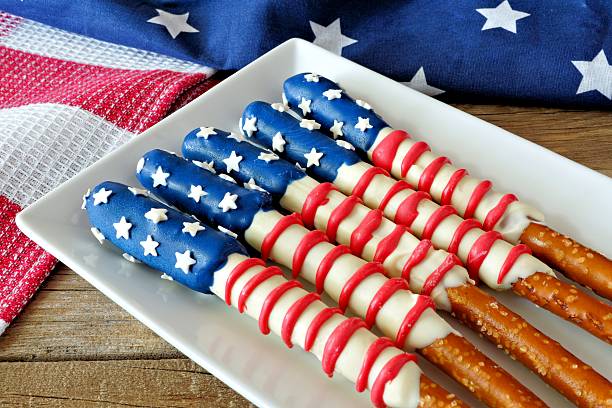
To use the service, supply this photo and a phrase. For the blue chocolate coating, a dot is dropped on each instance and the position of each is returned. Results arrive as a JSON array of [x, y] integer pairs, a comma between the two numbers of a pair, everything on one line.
[[325, 111], [273, 177], [184, 174], [299, 140], [210, 248]]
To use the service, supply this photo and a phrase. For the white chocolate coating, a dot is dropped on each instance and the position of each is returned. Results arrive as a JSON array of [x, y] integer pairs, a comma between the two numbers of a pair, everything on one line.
[[298, 191], [402, 391], [488, 272], [516, 218], [427, 329]]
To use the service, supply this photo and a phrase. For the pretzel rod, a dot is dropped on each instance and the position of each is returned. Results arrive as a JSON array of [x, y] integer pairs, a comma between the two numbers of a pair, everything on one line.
[[412, 161], [211, 262], [353, 283], [580, 264], [498, 263], [320, 206]]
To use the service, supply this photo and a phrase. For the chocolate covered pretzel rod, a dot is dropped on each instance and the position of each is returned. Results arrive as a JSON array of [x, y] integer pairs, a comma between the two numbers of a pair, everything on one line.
[[496, 262], [356, 285], [407, 159], [424, 269], [208, 261]]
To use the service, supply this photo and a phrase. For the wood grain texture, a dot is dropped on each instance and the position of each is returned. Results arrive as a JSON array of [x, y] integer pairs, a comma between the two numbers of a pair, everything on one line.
[[72, 346]]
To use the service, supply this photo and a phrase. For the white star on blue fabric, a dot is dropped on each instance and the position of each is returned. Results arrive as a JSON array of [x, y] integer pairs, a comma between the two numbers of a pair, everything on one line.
[[501, 16], [267, 157], [333, 94], [363, 124], [330, 37], [228, 202], [205, 132], [249, 126], [101, 196], [310, 124], [596, 75], [174, 23], [184, 261], [192, 228], [232, 162], [419, 83], [313, 157], [122, 228], [336, 129], [304, 105], [149, 246], [159, 177], [156, 215], [196, 192], [278, 142]]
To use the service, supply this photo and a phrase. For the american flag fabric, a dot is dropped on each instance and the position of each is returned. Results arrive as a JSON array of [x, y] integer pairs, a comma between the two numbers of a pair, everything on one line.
[[66, 100], [545, 52]]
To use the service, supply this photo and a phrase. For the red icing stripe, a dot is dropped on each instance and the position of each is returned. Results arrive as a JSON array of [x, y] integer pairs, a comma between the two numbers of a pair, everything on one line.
[[481, 189], [396, 188], [293, 314], [363, 233], [337, 342], [479, 252], [512, 257], [447, 193], [316, 198], [436, 218], [355, 280], [385, 152], [460, 232], [326, 265], [422, 304], [498, 211], [366, 178], [430, 172], [436, 276], [412, 155], [252, 283], [315, 325], [339, 214], [407, 210], [388, 244], [307, 242], [270, 239], [271, 300], [382, 295], [386, 375], [371, 355], [417, 256], [236, 273]]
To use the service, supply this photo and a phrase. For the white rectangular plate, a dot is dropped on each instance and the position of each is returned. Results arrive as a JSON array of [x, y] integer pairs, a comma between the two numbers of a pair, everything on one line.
[[229, 345]]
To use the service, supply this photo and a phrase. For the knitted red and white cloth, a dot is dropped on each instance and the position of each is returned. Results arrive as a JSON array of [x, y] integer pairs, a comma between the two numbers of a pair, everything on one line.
[[66, 101]]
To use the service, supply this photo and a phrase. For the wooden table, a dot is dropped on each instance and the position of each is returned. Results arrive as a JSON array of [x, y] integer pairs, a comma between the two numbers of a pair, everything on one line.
[[72, 346]]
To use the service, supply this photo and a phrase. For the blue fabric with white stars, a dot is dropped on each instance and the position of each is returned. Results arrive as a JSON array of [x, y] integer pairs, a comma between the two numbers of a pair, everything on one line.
[[184, 174], [209, 247], [299, 140], [473, 51], [274, 177]]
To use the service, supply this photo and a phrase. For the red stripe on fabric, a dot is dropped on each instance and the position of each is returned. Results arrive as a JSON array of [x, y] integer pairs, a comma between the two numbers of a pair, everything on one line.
[[8, 23]]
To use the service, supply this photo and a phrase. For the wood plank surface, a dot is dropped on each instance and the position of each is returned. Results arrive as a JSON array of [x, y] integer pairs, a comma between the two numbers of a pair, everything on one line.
[[72, 346]]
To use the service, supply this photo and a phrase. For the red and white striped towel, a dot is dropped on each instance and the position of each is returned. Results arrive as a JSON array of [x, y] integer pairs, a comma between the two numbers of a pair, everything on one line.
[[66, 101]]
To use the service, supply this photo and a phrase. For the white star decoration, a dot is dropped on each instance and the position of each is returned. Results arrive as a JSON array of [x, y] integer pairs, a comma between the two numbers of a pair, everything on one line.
[[196, 192], [333, 94], [174, 23], [345, 144], [98, 234], [85, 199], [501, 16], [310, 124], [419, 83], [205, 132], [232, 162], [156, 215], [363, 124], [210, 166], [330, 37], [305, 106], [192, 228], [159, 177], [336, 129], [102, 196], [313, 157], [267, 157], [363, 104], [311, 77], [281, 107], [249, 126], [278, 143], [184, 261], [122, 228], [596, 75], [149, 246], [140, 165], [138, 191], [251, 185], [228, 202], [228, 178]]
